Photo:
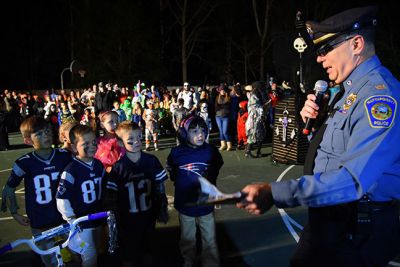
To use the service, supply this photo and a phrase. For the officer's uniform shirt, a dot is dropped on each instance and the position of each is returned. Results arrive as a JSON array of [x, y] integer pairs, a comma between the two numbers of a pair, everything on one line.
[[358, 154], [81, 185], [186, 165], [41, 178], [135, 183]]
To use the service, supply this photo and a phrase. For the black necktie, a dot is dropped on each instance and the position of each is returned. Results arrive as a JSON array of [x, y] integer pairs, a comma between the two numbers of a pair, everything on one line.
[[317, 137]]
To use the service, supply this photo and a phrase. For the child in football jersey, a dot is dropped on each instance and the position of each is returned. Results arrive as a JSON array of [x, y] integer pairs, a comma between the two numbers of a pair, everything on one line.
[[80, 189], [194, 158], [137, 181], [39, 170], [108, 149]]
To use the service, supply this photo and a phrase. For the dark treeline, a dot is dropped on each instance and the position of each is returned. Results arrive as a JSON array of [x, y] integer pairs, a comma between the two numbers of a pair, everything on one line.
[[123, 41]]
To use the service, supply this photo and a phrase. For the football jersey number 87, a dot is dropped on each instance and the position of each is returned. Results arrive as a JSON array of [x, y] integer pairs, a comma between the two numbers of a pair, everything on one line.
[[43, 187], [89, 190]]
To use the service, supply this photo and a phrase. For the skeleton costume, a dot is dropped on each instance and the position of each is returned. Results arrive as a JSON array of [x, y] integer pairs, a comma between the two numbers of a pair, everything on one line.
[[204, 114], [150, 117]]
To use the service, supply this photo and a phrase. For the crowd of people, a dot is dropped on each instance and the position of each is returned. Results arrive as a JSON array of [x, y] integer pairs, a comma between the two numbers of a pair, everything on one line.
[[157, 110], [85, 141]]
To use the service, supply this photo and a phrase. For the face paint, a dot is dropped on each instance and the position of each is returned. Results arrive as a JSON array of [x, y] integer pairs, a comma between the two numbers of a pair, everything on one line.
[[86, 146], [132, 140]]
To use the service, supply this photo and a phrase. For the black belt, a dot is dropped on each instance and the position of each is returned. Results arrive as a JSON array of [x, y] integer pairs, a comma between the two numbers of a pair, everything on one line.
[[383, 204]]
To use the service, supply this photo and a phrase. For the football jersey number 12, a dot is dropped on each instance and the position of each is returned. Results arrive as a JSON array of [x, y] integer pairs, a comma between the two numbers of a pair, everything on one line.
[[143, 203]]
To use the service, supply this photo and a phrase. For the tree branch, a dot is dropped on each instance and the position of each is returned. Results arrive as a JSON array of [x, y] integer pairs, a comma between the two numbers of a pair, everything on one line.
[[256, 18], [191, 46], [268, 5], [178, 19], [201, 22], [199, 10]]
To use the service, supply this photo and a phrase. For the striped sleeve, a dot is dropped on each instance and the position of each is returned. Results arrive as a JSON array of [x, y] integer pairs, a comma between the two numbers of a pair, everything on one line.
[[111, 179], [16, 176], [111, 186], [160, 174]]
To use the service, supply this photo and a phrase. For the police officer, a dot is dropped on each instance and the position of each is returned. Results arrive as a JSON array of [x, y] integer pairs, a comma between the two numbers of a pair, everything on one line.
[[353, 185]]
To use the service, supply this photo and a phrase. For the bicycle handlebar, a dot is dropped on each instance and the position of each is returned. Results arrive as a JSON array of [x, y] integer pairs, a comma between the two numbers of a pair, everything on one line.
[[5, 248], [99, 215], [53, 232]]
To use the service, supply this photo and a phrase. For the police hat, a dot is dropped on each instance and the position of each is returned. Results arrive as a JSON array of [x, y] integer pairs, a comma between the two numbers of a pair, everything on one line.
[[344, 22]]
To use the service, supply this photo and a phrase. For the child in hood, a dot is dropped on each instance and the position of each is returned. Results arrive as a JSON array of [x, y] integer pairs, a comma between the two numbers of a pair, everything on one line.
[[241, 125]]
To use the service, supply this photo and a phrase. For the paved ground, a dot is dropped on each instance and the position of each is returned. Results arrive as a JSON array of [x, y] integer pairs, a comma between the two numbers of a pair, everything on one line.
[[243, 239]]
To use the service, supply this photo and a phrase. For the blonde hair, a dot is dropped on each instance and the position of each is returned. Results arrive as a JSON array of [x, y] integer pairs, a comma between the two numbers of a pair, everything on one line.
[[78, 130], [65, 128], [223, 99], [32, 125], [127, 126], [103, 114], [137, 106]]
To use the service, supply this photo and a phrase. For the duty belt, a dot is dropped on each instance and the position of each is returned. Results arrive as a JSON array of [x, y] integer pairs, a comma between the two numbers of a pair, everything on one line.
[[384, 204]]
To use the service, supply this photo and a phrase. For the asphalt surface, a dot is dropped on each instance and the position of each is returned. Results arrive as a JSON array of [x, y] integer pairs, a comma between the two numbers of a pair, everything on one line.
[[243, 239]]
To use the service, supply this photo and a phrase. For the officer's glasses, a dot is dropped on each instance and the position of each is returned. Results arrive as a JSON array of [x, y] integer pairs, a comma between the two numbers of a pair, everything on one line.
[[326, 48]]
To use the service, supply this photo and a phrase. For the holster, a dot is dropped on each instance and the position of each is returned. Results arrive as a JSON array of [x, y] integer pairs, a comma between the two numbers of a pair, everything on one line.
[[368, 212]]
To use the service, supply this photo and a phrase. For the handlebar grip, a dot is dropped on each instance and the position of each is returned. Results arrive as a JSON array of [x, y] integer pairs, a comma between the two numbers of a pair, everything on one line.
[[96, 216], [5, 248]]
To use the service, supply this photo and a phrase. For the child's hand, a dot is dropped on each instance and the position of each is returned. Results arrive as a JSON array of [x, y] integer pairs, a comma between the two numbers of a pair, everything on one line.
[[22, 220]]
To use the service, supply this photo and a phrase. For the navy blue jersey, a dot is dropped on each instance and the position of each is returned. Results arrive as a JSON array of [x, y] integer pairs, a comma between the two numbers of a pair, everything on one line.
[[41, 177], [186, 165], [81, 184], [135, 184]]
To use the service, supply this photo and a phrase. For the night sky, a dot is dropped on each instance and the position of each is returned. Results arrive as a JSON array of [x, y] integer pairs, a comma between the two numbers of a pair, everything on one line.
[[122, 41]]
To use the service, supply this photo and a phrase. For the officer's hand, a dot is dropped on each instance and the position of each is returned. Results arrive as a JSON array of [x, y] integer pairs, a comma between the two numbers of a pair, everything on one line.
[[258, 198], [310, 109], [22, 220]]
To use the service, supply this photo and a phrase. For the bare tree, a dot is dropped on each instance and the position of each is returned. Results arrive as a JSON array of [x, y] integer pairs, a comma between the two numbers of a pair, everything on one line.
[[262, 31], [246, 52], [190, 20]]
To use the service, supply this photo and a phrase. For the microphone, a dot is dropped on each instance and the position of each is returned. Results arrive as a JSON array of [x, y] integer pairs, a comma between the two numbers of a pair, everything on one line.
[[320, 89]]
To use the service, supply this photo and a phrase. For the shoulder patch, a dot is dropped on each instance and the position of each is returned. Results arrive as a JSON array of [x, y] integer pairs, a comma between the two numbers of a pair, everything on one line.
[[381, 110]]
